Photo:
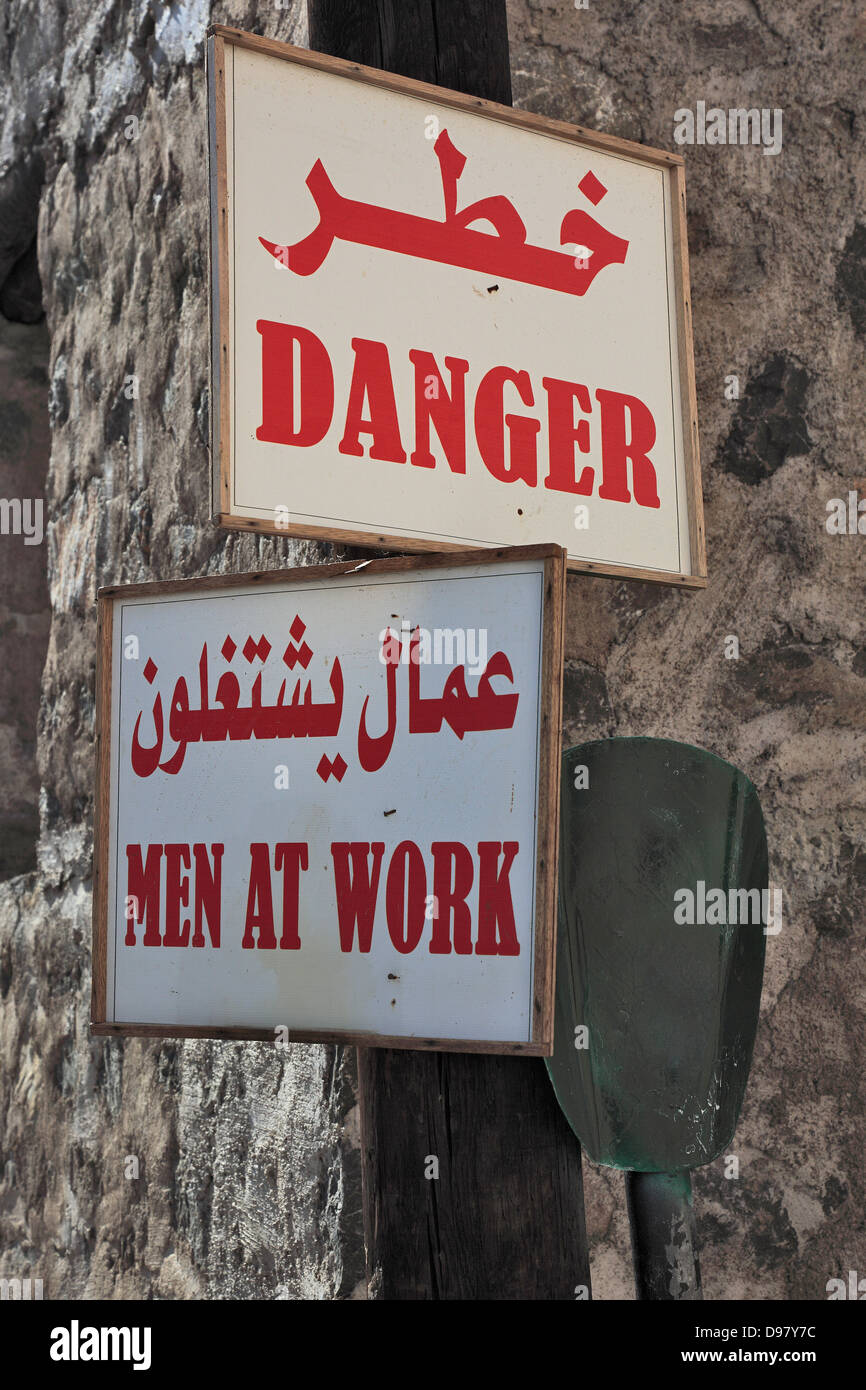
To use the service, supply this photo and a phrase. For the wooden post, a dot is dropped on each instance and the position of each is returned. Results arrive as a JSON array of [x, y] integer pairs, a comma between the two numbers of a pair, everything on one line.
[[503, 1219], [455, 43]]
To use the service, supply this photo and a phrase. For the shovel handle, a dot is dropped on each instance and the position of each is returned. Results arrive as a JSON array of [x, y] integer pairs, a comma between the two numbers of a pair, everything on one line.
[[664, 1247]]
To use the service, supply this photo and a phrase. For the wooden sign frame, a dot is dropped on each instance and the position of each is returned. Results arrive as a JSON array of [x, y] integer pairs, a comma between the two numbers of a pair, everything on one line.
[[672, 164], [547, 806]]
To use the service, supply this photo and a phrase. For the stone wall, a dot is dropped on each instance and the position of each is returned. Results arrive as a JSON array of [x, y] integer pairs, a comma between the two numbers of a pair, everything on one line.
[[778, 262], [247, 1157]]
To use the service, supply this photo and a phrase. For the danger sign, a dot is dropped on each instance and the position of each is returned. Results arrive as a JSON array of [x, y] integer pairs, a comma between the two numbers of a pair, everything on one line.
[[290, 837], [443, 323]]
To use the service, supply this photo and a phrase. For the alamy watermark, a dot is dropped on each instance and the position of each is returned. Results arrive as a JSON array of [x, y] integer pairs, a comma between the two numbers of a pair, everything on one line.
[[22, 516], [855, 1288], [713, 907], [737, 126], [20, 1289], [77, 1343], [846, 519], [439, 646]]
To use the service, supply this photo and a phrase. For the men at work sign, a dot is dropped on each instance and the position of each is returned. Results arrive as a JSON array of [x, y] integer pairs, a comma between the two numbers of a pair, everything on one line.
[[290, 832], [444, 326]]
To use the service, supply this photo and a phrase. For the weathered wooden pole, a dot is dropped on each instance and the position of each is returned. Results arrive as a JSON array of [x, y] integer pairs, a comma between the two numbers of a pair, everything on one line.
[[504, 1217], [455, 43]]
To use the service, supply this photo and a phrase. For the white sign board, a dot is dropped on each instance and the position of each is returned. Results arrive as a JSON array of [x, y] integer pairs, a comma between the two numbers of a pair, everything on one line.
[[328, 803], [442, 323]]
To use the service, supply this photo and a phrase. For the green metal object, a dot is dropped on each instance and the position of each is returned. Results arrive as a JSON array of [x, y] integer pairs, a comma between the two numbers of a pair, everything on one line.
[[662, 905], [662, 1220]]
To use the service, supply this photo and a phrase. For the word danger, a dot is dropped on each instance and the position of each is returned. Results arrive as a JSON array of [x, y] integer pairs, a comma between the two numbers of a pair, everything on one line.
[[453, 240], [175, 890], [297, 372]]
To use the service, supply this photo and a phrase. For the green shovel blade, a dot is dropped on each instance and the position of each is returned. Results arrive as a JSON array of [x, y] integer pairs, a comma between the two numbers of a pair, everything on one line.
[[655, 1017]]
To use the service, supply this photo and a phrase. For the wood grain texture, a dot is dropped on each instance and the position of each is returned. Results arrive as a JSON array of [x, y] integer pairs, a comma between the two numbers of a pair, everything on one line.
[[101, 813], [394, 564], [370, 541], [100, 1028], [421, 39], [218, 56], [504, 1219], [688, 387], [550, 737]]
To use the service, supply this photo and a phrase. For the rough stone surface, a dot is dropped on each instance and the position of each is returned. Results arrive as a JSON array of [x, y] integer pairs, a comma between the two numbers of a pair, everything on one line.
[[778, 254], [247, 1157]]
